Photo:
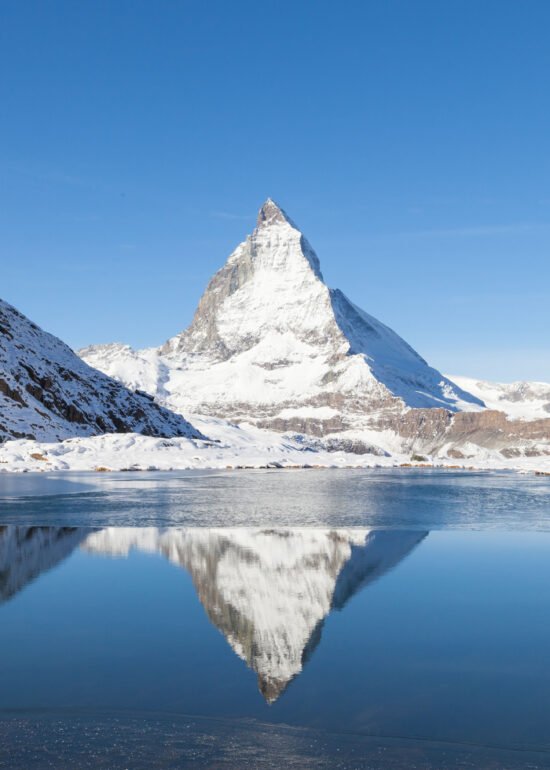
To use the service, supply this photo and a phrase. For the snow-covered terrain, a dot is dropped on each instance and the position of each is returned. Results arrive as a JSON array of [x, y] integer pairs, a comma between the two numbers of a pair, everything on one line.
[[232, 446], [275, 369], [269, 591], [519, 400], [48, 393]]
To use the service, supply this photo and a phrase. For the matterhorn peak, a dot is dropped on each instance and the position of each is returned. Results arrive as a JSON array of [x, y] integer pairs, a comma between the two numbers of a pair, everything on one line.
[[280, 242], [271, 344], [272, 214]]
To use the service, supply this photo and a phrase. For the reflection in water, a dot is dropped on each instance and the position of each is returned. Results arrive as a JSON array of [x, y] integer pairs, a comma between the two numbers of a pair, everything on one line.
[[267, 590], [26, 552]]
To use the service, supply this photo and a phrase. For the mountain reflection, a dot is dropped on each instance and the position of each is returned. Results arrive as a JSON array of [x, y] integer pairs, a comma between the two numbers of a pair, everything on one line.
[[267, 590], [27, 552]]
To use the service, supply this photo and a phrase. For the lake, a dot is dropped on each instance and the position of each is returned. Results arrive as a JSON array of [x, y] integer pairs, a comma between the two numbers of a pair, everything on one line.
[[338, 619]]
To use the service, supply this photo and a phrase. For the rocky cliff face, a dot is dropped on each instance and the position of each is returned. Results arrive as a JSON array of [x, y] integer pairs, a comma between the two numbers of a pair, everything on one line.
[[48, 393], [269, 591], [464, 435]]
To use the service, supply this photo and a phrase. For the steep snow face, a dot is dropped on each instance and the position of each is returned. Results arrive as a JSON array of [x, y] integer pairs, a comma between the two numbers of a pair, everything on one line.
[[518, 400], [269, 336], [48, 393], [269, 591]]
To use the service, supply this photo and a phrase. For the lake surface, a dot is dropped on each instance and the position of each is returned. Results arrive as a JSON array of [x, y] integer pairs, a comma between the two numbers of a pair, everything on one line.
[[359, 619], [382, 498]]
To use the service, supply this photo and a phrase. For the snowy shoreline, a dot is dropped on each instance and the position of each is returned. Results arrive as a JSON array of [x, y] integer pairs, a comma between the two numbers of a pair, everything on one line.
[[252, 449]]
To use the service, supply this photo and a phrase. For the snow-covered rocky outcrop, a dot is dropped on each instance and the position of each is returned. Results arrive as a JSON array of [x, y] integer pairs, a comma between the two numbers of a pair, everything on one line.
[[48, 393], [269, 591]]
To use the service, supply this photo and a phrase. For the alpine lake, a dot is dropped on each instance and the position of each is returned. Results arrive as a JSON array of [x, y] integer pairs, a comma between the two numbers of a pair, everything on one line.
[[275, 619]]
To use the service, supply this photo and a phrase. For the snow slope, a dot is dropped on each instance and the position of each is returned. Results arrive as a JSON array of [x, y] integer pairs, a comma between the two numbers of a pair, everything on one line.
[[244, 446], [48, 393], [231, 446], [519, 400], [271, 344]]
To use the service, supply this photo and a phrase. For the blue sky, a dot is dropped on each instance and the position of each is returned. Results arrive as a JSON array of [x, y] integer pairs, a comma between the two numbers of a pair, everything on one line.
[[409, 140]]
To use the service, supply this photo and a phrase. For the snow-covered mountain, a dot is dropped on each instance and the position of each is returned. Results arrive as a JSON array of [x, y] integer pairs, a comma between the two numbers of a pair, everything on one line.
[[519, 400], [271, 344], [48, 393], [269, 591]]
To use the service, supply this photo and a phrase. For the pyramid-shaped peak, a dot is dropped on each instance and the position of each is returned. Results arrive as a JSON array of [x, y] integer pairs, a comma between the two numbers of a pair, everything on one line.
[[272, 214]]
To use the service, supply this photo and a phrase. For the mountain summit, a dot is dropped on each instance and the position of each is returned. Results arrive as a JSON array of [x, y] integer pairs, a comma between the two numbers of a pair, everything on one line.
[[271, 213]]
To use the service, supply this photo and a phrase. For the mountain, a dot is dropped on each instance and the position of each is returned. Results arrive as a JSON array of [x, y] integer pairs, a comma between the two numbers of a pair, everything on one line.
[[48, 393], [270, 344], [269, 591]]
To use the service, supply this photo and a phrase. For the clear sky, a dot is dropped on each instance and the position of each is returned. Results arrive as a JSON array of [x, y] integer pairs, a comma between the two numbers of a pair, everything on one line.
[[410, 140]]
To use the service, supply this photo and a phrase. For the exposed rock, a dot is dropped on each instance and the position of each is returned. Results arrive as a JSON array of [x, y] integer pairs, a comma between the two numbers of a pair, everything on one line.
[[432, 429]]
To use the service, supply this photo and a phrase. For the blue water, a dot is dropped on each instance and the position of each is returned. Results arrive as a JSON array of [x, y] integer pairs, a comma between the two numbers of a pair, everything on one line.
[[434, 629]]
